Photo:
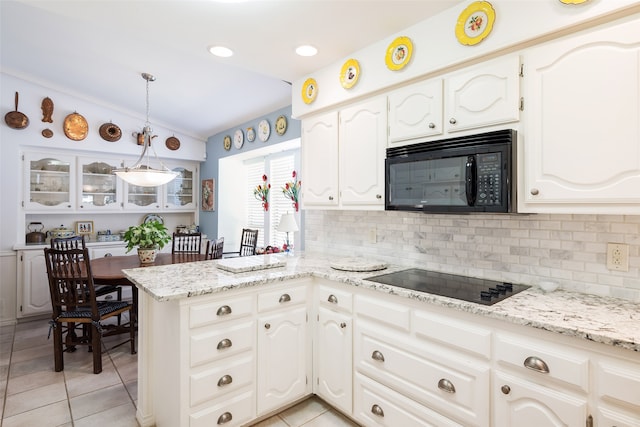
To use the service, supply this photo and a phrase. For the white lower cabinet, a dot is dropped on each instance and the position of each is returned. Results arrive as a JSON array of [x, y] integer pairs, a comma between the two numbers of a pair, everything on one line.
[[334, 358], [522, 403], [284, 348]]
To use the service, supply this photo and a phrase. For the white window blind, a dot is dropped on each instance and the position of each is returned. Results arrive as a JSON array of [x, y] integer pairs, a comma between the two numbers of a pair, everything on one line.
[[278, 168], [281, 169], [254, 170]]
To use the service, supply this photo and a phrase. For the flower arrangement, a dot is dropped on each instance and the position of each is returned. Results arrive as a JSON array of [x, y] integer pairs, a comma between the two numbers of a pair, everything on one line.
[[291, 190], [261, 193], [149, 235]]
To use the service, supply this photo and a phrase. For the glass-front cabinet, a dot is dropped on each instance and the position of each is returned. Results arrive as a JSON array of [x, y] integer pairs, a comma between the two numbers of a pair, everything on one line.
[[49, 182], [179, 193], [100, 189], [142, 198]]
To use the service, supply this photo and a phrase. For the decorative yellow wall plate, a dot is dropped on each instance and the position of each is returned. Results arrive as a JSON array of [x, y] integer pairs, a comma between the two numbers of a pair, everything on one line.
[[350, 73], [573, 1], [475, 23], [399, 53], [251, 134], [281, 125], [309, 91], [227, 142]]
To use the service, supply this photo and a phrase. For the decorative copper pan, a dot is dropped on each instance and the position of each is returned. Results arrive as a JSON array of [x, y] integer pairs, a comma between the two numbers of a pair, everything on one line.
[[172, 143], [16, 119], [75, 127], [110, 132]]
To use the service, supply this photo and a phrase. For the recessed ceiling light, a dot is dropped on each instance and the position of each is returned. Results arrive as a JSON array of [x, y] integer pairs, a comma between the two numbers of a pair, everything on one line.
[[306, 50], [221, 51]]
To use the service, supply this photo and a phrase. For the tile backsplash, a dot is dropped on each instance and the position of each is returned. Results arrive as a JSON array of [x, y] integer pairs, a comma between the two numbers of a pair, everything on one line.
[[522, 248]]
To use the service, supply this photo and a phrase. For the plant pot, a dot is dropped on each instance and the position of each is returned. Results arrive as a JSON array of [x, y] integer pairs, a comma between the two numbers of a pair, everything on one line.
[[147, 256]]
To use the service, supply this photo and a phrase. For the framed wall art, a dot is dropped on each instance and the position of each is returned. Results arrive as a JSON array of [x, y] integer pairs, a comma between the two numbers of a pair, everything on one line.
[[208, 195], [84, 227]]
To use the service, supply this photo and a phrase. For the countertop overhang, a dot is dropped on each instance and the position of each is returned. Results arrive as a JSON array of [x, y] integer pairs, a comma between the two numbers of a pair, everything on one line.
[[605, 320]]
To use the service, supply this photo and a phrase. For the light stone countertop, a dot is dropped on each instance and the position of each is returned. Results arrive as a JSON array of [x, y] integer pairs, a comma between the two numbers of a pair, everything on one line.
[[610, 321]]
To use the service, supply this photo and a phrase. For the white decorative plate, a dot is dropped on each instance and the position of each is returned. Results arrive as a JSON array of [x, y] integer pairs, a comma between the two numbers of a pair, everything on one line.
[[238, 139], [264, 130], [251, 134]]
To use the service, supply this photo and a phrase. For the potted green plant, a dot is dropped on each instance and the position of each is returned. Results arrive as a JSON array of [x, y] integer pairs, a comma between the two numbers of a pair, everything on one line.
[[149, 237]]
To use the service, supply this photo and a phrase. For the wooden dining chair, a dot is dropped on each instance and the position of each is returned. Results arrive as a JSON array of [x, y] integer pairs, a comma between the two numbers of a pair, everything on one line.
[[78, 242], [215, 248], [190, 243], [73, 300], [248, 243]]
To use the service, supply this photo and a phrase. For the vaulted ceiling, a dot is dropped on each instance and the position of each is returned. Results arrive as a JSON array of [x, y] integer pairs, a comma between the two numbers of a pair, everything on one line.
[[97, 49]]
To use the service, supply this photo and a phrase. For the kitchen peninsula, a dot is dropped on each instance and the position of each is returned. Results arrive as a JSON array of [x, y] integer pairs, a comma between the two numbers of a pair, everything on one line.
[[231, 348]]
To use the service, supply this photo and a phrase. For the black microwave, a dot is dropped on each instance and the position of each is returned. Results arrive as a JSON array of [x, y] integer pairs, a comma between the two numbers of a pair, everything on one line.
[[474, 173]]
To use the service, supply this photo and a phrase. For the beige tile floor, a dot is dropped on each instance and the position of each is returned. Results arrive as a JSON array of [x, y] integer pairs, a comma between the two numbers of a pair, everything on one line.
[[34, 395]]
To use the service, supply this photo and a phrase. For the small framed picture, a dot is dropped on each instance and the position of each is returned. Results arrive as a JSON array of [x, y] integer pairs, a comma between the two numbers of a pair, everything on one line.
[[208, 195], [84, 227]]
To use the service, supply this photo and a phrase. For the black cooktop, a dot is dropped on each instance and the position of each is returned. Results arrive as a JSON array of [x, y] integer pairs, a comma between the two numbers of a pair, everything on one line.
[[480, 291]]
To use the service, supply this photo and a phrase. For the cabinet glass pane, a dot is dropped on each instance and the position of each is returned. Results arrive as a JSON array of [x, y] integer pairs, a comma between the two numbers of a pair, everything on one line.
[[142, 196], [98, 184], [49, 182], [180, 190]]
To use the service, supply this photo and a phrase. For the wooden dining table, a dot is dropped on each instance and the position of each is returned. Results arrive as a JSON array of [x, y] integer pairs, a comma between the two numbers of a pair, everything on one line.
[[108, 270]]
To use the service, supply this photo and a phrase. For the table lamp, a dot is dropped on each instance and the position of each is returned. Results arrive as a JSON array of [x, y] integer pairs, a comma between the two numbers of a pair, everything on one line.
[[287, 225]]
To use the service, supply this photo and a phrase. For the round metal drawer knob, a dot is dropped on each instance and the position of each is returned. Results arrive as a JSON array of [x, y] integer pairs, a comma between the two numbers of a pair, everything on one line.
[[332, 299], [505, 389], [535, 191], [267, 325], [453, 121]]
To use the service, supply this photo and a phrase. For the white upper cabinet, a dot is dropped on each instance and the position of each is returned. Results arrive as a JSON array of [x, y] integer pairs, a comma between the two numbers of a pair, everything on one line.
[[362, 152], [343, 157], [180, 194], [320, 160], [49, 182], [99, 186], [483, 95], [415, 111], [475, 97], [582, 138]]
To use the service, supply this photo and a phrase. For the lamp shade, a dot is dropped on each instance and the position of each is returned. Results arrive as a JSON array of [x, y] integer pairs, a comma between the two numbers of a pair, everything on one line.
[[146, 177], [288, 223]]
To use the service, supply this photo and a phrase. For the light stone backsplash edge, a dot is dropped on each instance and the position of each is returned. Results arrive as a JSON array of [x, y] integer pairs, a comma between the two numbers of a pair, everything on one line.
[[521, 248]]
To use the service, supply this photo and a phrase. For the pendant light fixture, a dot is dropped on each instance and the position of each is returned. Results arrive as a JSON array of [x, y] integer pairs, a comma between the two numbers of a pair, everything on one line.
[[141, 173]]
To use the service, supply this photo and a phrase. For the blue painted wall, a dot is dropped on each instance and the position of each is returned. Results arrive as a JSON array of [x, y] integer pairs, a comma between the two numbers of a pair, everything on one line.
[[215, 151]]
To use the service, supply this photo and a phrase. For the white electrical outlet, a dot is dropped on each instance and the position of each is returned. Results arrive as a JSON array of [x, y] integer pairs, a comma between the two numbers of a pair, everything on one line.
[[373, 236], [618, 256]]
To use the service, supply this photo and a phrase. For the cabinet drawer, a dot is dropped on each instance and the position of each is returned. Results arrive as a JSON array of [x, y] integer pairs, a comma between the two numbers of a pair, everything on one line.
[[449, 385], [376, 405], [221, 379], [468, 338], [233, 412], [213, 344], [282, 298], [395, 315], [219, 311], [618, 380], [542, 361], [335, 299]]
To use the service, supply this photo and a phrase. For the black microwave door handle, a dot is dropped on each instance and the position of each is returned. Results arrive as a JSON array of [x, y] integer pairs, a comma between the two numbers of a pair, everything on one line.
[[471, 180]]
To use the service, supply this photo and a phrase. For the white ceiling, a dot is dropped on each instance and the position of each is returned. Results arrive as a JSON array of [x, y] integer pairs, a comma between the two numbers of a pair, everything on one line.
[[97, 49]]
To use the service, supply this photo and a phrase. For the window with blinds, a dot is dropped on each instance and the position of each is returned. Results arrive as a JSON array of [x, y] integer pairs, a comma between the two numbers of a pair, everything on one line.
[[279, 169]]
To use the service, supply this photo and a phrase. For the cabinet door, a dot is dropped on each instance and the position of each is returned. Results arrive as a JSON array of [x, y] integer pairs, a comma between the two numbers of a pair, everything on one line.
[[49, 182], [583, 118], [485, 95], [334, 364], [99, 189], [33, 284], [283, 359], [320, 160], [521, 403], [181, 193], [415, 112], [138, 198], [363, 140]]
